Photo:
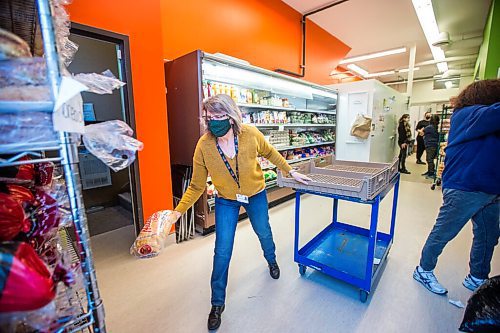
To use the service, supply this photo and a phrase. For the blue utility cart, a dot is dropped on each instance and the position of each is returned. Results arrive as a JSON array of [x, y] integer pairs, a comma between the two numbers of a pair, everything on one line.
[[346, 252]]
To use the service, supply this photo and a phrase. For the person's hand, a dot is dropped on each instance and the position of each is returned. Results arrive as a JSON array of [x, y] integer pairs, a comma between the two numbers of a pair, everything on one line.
[[300, 177], [177, 215], [403, 146]]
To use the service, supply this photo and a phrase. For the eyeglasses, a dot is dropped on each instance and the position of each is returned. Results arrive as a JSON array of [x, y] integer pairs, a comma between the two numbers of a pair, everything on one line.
[[216, 117]]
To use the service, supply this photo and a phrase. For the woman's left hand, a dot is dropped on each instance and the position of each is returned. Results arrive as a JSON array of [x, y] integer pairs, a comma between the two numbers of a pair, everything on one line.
[[300, 177]]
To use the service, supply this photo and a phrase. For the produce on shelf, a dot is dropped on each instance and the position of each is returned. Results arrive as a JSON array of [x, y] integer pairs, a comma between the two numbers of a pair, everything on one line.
[[270, 175]]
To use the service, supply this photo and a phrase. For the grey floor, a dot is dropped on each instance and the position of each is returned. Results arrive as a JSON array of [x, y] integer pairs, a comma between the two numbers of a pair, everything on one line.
[[108, 219], [171, 293]]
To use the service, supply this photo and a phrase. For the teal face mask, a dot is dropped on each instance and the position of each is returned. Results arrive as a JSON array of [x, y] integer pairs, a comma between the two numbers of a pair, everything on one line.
[[219, 127]]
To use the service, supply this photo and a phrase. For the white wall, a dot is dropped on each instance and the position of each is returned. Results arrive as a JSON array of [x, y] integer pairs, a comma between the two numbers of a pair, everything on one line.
[[381, 144], [424, 93]]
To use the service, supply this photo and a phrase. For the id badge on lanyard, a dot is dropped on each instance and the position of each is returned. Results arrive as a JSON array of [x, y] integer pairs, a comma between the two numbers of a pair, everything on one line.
[[236, 175]]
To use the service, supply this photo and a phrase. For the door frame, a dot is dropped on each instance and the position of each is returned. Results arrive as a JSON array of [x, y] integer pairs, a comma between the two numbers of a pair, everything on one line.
[[123, 43]]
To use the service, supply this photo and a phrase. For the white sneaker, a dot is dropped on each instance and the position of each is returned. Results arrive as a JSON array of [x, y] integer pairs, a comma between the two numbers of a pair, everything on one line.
[[429, 281], [472, 283]]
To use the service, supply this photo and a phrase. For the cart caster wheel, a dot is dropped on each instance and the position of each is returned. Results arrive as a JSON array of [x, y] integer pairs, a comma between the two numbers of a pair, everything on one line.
[[363, 296], [433, 187], [302, 269], [438, 182]]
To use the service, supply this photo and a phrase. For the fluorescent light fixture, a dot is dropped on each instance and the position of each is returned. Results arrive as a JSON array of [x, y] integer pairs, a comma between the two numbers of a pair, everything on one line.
[[357, 69], [448, 84], [381, 74], [373, 55], [406, 70], [425, 14]]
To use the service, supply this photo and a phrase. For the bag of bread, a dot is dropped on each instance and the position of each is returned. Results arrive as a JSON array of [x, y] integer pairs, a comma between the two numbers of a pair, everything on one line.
[[151, 239]]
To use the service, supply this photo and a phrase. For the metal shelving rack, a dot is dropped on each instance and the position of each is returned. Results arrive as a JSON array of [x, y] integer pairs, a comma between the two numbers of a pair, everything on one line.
[[91, 317], [446, 112]]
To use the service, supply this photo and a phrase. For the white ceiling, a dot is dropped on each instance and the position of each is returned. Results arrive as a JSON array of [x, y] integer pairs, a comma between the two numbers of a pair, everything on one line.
[[376, 25]]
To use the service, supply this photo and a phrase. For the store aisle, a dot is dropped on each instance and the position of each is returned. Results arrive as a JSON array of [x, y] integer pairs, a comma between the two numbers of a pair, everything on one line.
[[171, 293]]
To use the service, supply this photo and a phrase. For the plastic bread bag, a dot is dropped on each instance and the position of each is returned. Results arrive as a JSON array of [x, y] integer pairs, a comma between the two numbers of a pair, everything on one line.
[[23, 71], [151, 239], [482, 313], [112, 143], [12, 46], [103, 83]]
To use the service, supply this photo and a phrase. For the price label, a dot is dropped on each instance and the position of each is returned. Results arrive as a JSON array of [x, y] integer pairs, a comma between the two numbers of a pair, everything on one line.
[[68, 109]]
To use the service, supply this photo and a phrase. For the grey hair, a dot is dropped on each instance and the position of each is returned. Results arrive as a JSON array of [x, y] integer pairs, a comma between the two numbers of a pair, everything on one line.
[[223, 104]]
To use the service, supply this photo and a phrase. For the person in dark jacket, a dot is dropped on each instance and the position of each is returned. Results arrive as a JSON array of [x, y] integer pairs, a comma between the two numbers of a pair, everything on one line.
[[431, 141], [404, 138], [471, 185], [420, 139]]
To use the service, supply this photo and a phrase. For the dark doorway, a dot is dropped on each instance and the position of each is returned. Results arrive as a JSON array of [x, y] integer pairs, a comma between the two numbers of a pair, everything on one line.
[[112, 199]]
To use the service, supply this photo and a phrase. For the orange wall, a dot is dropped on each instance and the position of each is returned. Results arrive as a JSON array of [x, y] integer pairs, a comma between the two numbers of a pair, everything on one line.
[[267, 33], [141, 21]]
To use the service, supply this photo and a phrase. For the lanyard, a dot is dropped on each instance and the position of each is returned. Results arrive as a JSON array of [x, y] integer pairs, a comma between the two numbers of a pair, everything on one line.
[[236, 176]]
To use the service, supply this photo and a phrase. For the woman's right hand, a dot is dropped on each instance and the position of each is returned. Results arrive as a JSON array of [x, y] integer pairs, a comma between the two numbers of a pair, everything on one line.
[[403, 146], [177, 214]]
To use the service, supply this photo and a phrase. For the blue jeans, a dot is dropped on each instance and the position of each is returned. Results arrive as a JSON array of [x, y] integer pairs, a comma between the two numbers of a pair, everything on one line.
[[226, 218], [458, 208]]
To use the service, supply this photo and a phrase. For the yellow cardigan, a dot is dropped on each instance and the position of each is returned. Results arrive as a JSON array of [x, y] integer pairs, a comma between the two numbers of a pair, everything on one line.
[[206, 160]]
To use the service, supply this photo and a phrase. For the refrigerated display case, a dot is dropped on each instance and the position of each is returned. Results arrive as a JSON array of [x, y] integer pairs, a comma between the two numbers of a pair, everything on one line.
[[299, 118]]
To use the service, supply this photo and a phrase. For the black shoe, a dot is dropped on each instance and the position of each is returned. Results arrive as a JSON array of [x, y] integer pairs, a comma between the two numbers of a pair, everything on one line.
[[420, 162], [405, 171], [430, 176], [215, 317], [274, 271], [425, 174]]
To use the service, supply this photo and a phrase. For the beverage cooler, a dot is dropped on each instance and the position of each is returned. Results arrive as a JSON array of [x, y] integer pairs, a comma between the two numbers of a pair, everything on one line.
[[297, 117]]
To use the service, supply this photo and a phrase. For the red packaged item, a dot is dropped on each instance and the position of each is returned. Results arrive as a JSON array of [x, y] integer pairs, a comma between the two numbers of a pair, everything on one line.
[[25, 281], [26, 172], [45, 216], [21, 194], [43, 173], [12, 218]]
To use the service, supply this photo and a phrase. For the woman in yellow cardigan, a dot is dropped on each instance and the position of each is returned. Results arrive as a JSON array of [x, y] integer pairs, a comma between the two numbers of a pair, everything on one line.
[[228, 152]]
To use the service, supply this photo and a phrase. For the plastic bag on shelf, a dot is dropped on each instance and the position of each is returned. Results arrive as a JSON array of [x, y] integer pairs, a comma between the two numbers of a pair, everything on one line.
[[151, 239], [26, 283], [21, 72], [44, 216], [103, 83], [483, 308], [13, 220], [111, 142], [65, 47], [12, 46], [25, 93], [26, 127], [40, 320]]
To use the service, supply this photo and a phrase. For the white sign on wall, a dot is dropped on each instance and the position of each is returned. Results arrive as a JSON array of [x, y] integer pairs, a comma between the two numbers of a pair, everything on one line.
[[358, 105]]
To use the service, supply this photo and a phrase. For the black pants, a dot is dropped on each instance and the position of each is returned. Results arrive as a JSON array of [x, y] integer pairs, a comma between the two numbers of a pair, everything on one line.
[[430, 155], [420, 147], [402, 157]]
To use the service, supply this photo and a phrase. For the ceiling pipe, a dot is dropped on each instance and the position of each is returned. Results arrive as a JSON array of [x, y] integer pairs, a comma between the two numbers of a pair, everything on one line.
[[303, 25], [428, 78], [450, 59]]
